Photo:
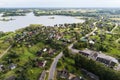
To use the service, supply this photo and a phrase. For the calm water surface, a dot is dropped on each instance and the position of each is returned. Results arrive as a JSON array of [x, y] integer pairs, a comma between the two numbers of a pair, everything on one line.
[[23, 21]]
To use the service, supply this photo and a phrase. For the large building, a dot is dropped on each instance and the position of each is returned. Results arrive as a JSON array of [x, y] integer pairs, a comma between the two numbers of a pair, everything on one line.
[[100, 57]]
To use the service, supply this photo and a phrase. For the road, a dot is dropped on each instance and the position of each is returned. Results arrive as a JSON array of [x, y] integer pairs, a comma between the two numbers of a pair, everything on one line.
[[117, 40], [54, 63], [5, 51], [71, 45], [115, 33], [116, 25], [73, 50], [53, 66], [77, 51], [42, 77], [87, 35]]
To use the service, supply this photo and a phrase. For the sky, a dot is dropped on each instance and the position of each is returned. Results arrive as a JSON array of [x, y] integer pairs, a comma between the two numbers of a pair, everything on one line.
[[59, 3]]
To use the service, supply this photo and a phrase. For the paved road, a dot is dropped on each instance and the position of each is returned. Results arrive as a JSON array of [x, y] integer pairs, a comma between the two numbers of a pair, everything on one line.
[[77, 51], [53, 66], [116, 25], [5, 51], [115, 33], [117, 40], [73, 50], [87, 35], [42, 76]]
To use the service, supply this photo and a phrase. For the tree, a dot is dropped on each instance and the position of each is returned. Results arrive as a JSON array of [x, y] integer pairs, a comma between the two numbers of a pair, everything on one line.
[[66, 52], [102, 71]]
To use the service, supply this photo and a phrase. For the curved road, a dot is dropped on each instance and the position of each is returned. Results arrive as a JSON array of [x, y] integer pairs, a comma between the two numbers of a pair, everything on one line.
[[116, 25], [73, 50], [117, 40], [42, 76], [54, 63], [87, 35], [53, 66]]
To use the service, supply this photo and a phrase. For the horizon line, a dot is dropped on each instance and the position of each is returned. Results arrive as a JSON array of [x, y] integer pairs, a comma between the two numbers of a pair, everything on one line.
[[62, 7]]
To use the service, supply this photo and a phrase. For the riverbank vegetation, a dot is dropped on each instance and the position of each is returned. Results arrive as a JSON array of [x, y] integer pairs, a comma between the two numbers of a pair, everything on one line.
[[34, 47]]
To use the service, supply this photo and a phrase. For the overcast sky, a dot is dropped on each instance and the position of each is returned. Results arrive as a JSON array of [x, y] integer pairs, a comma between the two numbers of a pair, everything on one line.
[[59, 3]]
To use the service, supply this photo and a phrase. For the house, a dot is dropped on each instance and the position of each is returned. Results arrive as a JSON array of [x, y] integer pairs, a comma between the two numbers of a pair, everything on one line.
[[71, 76], [69, 41], [1, 67], [74, 77], [77, 78], [58, 36], [90, 75], [93, 34], [107, 60], [86, 52], [30, 33], [39, 53], [98, 56], [91, 42], [42, 63], [84, 39], [12, 66], [68, 76], [51, 51], [45, 49], [63, 74]]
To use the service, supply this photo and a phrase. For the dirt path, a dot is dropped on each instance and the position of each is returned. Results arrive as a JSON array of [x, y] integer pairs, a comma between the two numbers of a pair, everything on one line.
[[5, 51]]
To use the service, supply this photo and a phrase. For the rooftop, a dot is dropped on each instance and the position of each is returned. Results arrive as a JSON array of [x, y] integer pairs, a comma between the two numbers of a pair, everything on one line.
[[87, 51], [101, 55]]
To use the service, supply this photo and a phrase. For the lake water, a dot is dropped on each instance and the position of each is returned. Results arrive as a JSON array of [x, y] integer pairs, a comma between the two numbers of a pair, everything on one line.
[[23, 21]]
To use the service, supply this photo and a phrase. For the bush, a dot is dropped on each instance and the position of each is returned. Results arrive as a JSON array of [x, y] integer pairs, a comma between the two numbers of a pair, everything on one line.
[[13, 55], [102, 71]]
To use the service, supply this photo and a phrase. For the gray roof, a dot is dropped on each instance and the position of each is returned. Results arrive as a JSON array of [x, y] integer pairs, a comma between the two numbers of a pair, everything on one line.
[[104, 56], [87, 51], [100, 55], [91, 75]]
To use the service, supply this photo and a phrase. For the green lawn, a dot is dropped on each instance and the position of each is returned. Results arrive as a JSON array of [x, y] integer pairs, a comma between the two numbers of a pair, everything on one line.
[[3, 46], [68, 64], [10, 73], [34, 73]]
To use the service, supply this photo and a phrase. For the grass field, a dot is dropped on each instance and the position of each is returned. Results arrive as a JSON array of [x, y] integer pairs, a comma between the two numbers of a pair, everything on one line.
[[3, 46]]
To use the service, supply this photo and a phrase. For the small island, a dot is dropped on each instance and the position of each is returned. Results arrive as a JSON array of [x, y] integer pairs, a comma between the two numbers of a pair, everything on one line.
[[51, 17], [7, 19]]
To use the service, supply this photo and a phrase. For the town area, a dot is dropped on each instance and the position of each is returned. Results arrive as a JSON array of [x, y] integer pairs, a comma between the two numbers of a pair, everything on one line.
[[72, 51]]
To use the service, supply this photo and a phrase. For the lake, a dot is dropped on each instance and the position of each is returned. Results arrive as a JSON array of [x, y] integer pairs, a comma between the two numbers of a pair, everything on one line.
[[23, 21]]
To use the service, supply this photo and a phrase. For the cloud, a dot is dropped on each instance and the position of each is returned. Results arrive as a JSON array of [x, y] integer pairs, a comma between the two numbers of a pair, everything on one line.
[[1, 3], [59, 3]]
